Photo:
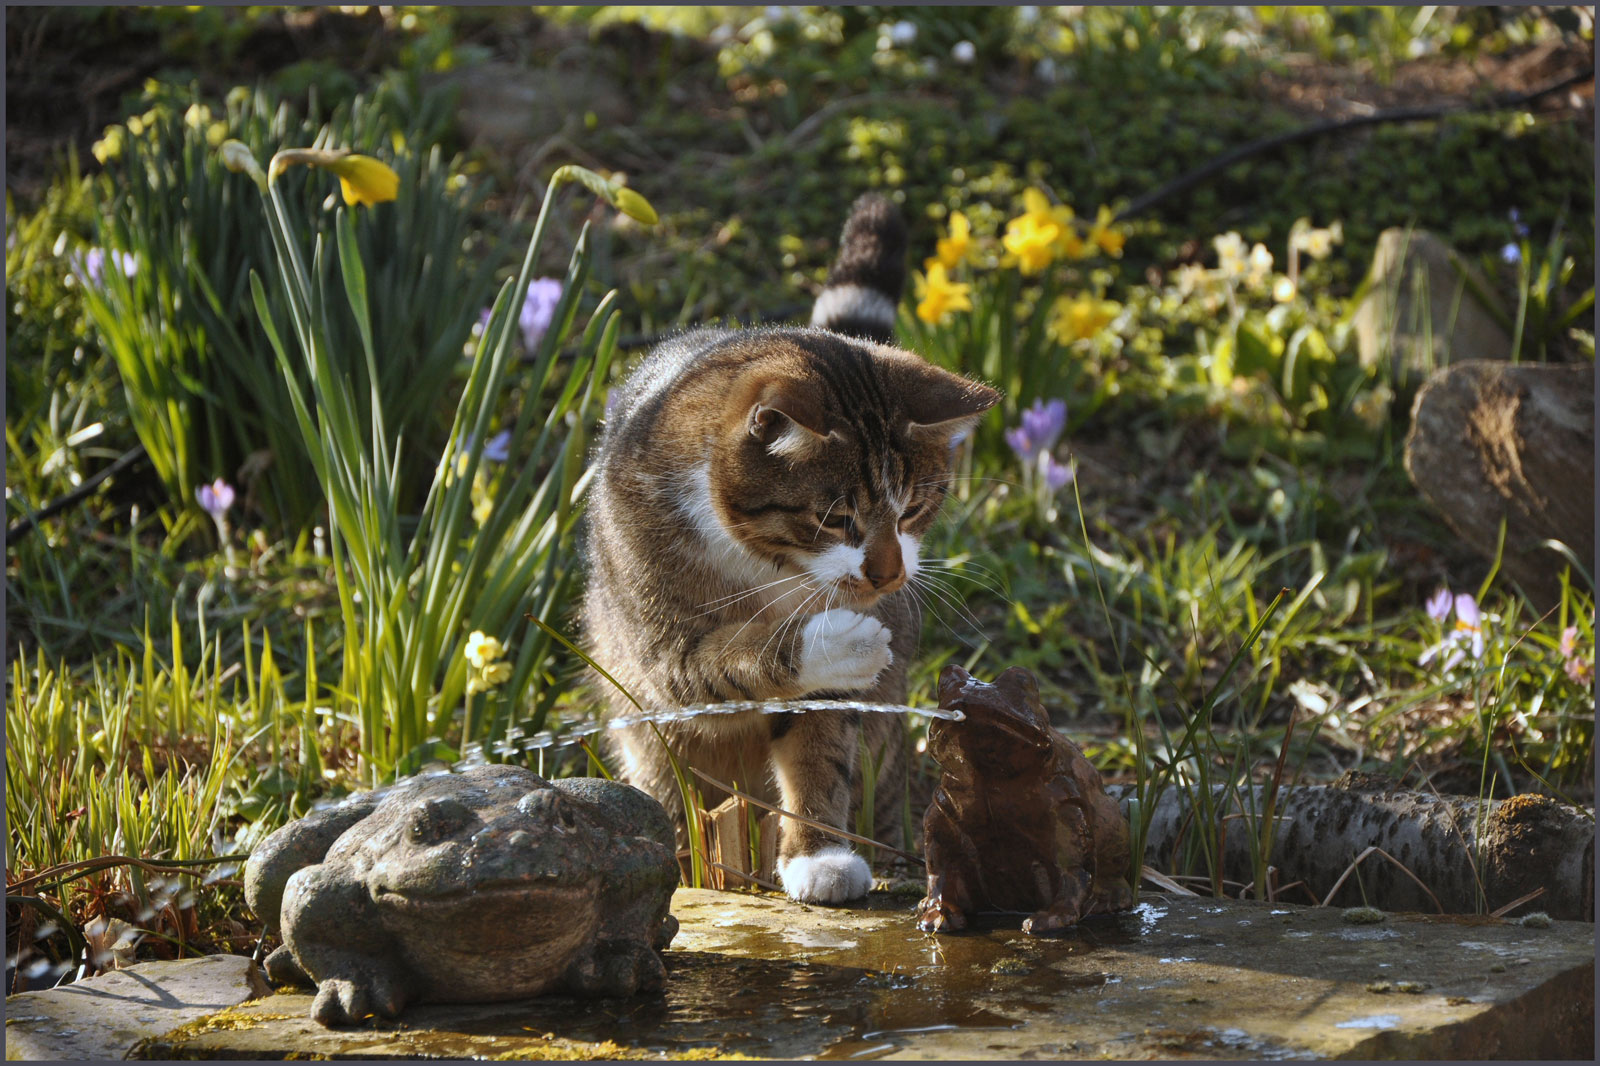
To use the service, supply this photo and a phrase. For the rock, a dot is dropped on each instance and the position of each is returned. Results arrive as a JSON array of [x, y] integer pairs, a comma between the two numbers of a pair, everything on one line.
[[1491, 441], [105, 1017], [763, 976], [512, 110], [1420, 290]]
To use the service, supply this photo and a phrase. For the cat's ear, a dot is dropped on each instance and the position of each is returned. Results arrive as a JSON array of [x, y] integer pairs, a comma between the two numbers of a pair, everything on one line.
[[942, 405], [787, 418]]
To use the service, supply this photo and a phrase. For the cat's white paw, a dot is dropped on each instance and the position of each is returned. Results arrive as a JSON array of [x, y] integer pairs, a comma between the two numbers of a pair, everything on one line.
[[842, 650], [832, 875]]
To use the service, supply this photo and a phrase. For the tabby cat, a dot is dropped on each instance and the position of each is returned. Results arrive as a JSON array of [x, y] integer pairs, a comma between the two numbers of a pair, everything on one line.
[[759, 502]]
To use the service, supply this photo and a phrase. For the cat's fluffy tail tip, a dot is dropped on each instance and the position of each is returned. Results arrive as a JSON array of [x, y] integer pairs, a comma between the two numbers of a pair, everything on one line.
[[867, 277]]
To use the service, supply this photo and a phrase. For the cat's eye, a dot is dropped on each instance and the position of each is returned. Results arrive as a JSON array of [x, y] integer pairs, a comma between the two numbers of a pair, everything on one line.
[[837, 522], [913, 513]]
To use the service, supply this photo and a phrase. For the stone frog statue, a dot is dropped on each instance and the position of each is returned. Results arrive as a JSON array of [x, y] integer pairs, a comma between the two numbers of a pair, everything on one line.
[[492, 884], [1020, 820]]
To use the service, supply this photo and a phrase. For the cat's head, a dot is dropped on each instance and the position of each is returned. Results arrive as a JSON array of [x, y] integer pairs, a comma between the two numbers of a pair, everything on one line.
[[833, 457]]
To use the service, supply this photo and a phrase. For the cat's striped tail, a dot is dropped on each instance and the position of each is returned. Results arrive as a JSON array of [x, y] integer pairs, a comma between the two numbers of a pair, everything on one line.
[[866, 279]]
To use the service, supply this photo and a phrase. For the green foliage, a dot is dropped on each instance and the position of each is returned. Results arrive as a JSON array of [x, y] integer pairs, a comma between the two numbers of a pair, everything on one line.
[[410, 597], [204, 393]]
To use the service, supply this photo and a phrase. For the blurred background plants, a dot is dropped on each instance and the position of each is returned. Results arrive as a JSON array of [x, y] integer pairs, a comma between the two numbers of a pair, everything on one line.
[[1187, 428]]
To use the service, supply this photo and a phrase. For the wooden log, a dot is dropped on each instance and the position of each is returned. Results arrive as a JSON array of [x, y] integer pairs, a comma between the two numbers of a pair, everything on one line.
[[1492, 441], [726, 834], [1472, 856]]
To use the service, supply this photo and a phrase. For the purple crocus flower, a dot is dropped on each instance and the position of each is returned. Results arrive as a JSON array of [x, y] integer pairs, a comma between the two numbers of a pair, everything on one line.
[[94, 261], [93, 268], [1469, 623], [1439, 605], [1043, 423], [1056, 475], [1018, 439], [215, 499], [497, 449], [1467, 630], [538, 309]]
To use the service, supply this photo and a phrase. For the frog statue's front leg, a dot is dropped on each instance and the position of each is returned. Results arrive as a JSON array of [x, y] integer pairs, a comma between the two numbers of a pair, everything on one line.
[[952, 872], [1074, 874], [329, 926]]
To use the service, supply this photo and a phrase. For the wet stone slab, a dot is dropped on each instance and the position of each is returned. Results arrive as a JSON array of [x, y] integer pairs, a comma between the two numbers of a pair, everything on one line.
[[763, 977]]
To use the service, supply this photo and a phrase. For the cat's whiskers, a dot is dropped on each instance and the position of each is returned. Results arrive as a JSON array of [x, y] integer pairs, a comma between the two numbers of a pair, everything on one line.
[[825, 514], [948, 595], [724, 602], [780, 630], [986, 579]]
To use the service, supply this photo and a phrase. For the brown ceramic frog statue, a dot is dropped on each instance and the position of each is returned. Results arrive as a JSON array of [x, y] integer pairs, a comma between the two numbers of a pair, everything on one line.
[[491, 884], [1020, 820]]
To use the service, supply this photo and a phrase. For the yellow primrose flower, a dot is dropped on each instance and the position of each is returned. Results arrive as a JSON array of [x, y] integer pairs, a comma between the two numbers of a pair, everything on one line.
[[1191, 277], [937, 295], [482, 504], [1259, 265], [1074, 319], [1230, 254], [1317, 243], [1283, 289], [483, 649], [1101, 233], [362, 179], [951, 250]]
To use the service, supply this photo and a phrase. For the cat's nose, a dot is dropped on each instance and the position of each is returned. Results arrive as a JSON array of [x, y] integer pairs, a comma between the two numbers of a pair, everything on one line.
[[883, 565]]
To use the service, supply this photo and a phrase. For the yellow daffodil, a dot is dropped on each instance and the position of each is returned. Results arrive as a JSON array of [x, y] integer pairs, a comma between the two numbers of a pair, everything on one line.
[[109, 146], [635, 206], [362, 179], [483, 649], [937, 295], [1109, 239], [1074, 319], [951, 250], [237, 157], [1031, 243]]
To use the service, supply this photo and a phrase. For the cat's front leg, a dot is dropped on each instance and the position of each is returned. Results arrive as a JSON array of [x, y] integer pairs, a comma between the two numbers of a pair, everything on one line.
[[813, 754]]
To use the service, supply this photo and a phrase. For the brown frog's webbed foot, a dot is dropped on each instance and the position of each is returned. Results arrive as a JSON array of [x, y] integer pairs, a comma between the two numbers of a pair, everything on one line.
[[616, 970], [1051, 919], [282, 968], [343, 1002], [937, 915]]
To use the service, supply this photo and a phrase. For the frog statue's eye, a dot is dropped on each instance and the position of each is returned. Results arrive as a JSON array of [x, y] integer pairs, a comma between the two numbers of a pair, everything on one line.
[[436, 819], [547, 806]]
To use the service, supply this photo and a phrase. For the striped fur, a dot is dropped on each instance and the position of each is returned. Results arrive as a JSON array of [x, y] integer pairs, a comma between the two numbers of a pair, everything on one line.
[[866, 279], [758, 502]]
